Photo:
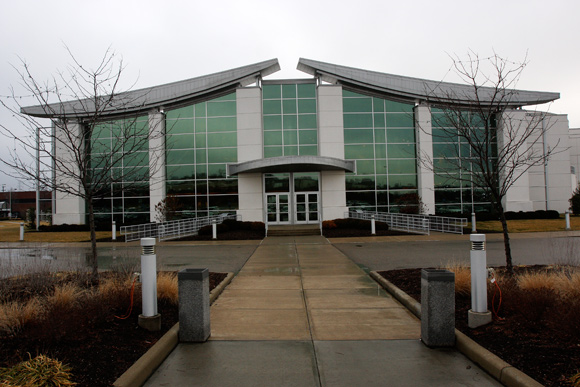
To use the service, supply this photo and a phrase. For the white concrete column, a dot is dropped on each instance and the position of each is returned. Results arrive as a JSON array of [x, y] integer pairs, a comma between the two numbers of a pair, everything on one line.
[[512, 124], [559, 183], [424, 140], [69, 208], [333, 198], [249, 121], [331, 144], [157, 171], [330, 121], [250, 147], [250, 197]]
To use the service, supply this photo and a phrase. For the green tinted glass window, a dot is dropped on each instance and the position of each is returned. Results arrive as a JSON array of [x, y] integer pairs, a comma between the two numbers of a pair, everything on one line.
[[308, 137], [182, 141], [271, 91], [400, 135], [289, 106], [365, 167], [180, 172], [306, 90], [272, 106], [307, 121], [270, 151], [306, 106], [273, 137], [184, 112], [359, 152], [272, 122], [291, 150], [201, 156], [222, 124], [358, 120], [401, 167], [380, 136], [289, 91], [380, 151], [222, 155], [215, 140], [399, 120], [403, 182], [200, 109], [179, 126], [357, 105], [392, 106], [200, 140], [290, 137], [401, 151], [216, 171], [358, 136], [308, 150], [290, 122], [180, 157], [225, 108]]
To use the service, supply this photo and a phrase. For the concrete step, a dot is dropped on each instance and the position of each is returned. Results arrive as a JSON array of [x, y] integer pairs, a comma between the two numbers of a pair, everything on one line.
[[294, 230]]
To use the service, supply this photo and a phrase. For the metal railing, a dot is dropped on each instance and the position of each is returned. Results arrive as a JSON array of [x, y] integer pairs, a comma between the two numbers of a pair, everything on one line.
[[418, 224], [173, 229]]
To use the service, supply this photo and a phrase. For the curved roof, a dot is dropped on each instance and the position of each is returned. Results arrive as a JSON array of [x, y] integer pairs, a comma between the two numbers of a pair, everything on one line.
[[292, 164], [409, 89], [170, 94]]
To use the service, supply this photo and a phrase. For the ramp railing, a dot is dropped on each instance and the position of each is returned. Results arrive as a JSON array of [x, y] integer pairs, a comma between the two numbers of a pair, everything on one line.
[[173, 229], [418, 224]]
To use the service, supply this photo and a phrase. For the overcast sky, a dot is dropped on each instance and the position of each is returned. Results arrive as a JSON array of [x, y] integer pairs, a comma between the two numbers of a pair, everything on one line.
[[173, 40]]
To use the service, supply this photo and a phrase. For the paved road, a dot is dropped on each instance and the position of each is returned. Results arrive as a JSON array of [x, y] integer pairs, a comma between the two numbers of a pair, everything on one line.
[[526, 249]]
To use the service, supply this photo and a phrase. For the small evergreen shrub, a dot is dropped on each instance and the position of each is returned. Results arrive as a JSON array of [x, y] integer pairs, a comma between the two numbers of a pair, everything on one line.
[[575, 201]]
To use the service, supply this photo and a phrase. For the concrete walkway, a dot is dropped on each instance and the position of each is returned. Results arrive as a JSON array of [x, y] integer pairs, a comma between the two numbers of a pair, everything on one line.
[[300, 313]]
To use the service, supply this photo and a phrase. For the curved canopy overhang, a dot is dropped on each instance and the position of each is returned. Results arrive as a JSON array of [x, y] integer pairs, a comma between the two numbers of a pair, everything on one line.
[[166, 96], [291, 164], [411, 90]]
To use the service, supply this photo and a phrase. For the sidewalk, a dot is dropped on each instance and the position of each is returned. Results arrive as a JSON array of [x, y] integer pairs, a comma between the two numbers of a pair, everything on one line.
[[300, 313]]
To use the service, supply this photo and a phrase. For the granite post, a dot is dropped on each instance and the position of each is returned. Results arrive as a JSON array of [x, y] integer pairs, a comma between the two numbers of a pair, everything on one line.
[[194, 322], [437, 308]]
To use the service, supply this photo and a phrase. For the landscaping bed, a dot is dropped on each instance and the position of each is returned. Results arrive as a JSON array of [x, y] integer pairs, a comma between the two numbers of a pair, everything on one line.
[[536, 329], [78, 329]]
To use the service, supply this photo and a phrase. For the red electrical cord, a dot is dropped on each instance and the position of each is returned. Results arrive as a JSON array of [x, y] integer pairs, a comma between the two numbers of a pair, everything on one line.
[[131, 304], [497, 289]]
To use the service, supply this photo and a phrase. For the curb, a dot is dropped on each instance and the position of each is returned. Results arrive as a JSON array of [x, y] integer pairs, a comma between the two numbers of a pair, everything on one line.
[[144, 367], [492, 364]]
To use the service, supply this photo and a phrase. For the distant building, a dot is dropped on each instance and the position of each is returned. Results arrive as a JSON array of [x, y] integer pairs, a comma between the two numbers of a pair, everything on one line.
[[306, 150], [16, 203]]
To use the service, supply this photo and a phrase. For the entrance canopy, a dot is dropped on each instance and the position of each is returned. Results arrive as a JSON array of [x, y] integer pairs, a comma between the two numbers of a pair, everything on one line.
[[292, 164]]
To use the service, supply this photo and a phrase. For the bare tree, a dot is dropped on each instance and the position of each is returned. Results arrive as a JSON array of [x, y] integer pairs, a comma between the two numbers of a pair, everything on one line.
[[484, 138], [96, 144]]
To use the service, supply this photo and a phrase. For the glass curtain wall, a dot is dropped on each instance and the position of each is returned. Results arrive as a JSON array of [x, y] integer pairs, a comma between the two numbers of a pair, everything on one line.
[[454, 192], [289, 114], [200, 140], [124, 143], [380, 136]]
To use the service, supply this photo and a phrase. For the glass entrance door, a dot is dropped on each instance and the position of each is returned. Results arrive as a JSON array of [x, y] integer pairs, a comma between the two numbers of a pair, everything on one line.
[[278, 209], [307, 207]]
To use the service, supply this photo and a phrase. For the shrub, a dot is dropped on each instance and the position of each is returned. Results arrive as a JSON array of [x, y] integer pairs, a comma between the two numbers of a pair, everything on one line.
[[328, 225], [575, 201], [462, 277], [167, 287], [31, 218], [410, 204], [14, 315], [65, 296], [38, 372]]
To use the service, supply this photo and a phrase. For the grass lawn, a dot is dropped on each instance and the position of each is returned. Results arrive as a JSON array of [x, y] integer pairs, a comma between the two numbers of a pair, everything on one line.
[[529, 225], [10, 232]]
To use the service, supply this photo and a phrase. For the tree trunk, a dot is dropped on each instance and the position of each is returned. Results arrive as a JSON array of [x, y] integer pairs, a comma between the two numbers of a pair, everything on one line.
[[506, 241], [94, 259]]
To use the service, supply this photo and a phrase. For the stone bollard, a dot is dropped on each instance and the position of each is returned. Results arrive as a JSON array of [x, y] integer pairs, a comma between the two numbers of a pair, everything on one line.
[[194, 323], [437, 308], [21, 232], [373, 227], [114, 231], [568, 228]]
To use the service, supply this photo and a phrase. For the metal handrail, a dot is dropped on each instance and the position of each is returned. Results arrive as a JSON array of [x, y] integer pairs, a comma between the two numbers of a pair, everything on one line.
[[173, 229], [418, 224]]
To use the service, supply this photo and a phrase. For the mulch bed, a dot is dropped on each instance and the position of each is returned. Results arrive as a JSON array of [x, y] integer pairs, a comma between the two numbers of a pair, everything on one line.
[[97, 352], [548, 352]]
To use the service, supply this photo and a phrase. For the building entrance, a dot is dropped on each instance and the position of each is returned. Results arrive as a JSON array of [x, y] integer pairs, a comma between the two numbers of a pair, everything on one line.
[[292, 198]]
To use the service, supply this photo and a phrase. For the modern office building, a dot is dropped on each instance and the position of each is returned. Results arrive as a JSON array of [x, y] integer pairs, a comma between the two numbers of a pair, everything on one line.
[[305, 150]]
